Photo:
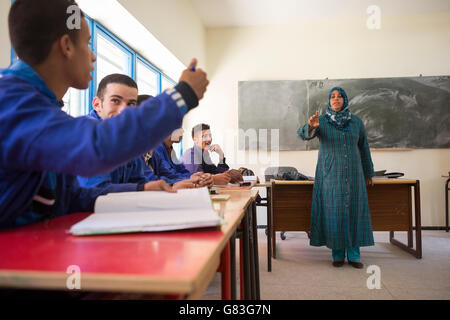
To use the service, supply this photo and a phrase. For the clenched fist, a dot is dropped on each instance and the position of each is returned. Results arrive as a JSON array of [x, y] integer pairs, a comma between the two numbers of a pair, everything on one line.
[[196, 78]]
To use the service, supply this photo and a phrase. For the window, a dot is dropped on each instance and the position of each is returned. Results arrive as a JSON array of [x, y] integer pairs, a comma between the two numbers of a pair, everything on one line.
[[147, 78], [75, 102], [113, 56], [166, 83]]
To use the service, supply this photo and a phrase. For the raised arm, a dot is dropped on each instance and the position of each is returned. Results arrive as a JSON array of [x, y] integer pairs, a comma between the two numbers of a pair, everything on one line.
[[37, 135], [310, 130]]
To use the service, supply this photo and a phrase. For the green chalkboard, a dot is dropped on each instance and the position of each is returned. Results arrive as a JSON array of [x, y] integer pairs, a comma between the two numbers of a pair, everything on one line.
[[397, 112]]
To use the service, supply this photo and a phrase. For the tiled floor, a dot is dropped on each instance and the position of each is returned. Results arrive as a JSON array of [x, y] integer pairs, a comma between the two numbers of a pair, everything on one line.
[[304, 272]]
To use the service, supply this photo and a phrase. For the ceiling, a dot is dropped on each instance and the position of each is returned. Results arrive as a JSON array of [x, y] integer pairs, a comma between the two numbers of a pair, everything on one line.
[[233, 13]]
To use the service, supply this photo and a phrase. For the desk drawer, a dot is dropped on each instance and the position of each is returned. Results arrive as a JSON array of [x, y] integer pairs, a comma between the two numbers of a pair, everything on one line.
[[292, 196], [390, 207], [291, 207], [291, 219]]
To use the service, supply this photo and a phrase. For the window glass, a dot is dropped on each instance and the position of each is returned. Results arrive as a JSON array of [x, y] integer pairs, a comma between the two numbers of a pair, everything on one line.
[[113, 56], [146, 79], [166, 83], [110, 58], [74, 102]]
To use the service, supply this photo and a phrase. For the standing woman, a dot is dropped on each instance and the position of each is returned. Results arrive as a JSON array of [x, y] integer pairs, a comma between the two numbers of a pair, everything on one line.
[[340, 217]]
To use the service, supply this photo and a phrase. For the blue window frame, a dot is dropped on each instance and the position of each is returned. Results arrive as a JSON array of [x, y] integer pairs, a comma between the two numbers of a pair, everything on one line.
[[79, 101]]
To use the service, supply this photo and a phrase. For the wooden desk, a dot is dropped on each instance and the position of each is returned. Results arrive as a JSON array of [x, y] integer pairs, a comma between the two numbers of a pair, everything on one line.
[[164, 263], [390, 202]]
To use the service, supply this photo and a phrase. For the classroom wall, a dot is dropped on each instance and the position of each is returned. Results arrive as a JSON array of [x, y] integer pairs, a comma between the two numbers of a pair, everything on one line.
[[5, 52], [174, 23], [403, 47]]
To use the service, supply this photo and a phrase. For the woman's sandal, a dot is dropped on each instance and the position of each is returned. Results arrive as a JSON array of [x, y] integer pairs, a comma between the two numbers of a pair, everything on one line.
[[338, 263], [356, 264]]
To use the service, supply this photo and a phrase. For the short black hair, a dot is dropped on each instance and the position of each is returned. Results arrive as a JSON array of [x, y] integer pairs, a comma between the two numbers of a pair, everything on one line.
[[114, 78], [143, 97], [35, 25], [199, 128]]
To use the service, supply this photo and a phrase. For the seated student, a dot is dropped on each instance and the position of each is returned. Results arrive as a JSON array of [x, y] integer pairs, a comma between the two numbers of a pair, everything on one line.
[[115, 93], [42, 148], [198, 159], [164, 162]]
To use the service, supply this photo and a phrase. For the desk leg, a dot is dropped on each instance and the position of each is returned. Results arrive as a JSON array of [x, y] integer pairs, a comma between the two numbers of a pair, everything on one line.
[[255, 253], [446, 205], [410, 231], [226, 273], [251, 251], [246, 257], [269, 230], [418, 220], [418, 251], [233, 265], [272, 231], [241, 266], [274, 244], [410, 239]]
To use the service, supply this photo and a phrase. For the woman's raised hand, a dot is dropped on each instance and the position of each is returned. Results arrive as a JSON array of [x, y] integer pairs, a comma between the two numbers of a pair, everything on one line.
[[313, 122]]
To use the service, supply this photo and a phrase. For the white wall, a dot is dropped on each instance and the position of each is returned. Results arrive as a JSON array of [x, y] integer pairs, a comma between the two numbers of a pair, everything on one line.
[[404, 46], [5, 51], [174, 23]]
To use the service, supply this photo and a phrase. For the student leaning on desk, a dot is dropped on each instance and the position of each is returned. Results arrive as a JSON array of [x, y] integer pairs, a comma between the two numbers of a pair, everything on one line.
[[198, 159], [164, 162], [115, 93], [43, 148]]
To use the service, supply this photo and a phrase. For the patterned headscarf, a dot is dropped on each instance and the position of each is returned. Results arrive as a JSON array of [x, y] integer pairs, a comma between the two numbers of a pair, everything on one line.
[[341, 119]]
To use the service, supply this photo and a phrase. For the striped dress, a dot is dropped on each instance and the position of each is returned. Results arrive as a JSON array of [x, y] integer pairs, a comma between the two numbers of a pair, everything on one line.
[[340, 216]]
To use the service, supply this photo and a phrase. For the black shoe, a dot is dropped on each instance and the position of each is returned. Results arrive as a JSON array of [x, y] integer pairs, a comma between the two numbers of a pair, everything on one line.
[[338, 263], [356, 264]]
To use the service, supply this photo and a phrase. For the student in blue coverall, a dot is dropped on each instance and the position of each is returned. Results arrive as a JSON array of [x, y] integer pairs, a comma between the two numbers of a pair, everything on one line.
[[164, 163], [115, 93], [198, 157], [42, 148]]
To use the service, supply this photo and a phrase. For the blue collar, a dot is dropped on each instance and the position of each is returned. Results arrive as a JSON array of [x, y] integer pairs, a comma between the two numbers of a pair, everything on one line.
[[93, 114], [22, 70]]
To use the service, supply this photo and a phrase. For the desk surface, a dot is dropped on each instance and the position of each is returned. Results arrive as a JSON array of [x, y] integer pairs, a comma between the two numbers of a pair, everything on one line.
[[179, 262]]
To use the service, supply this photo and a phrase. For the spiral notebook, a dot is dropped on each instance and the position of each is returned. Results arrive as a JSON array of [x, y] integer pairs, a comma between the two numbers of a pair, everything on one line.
[[149, 212]]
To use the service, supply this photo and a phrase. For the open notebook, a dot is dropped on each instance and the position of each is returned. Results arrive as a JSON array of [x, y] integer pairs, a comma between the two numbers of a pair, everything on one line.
[[149, 211]]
